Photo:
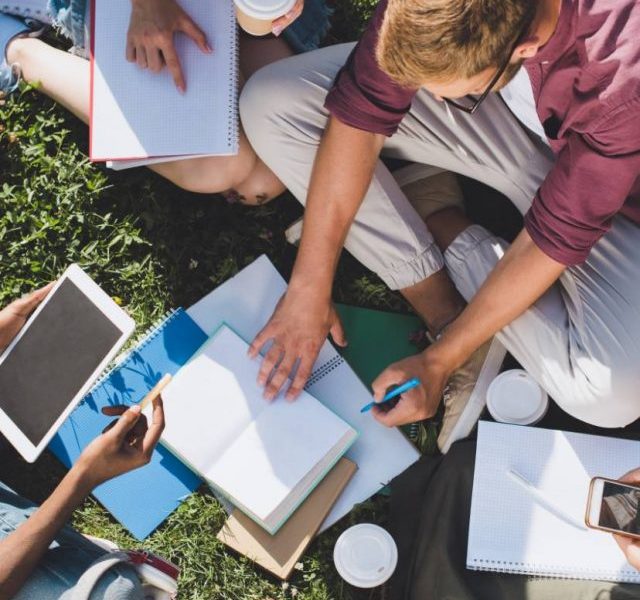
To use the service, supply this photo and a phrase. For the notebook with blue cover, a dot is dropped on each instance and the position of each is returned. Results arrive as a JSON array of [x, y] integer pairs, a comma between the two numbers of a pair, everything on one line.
[[140, 500]]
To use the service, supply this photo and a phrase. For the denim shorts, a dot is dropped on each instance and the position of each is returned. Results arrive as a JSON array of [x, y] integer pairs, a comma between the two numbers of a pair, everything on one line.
[[67, 558], [305, 33]]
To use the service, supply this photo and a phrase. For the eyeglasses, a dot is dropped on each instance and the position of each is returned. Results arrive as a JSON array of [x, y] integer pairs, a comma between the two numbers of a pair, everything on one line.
[[472, 103]]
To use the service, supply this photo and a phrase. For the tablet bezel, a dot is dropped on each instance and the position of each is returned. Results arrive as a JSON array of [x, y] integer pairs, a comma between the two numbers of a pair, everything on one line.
[[118, 317]]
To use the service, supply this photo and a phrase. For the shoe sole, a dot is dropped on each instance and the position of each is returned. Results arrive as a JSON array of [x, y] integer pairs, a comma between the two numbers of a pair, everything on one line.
[[478, 399]]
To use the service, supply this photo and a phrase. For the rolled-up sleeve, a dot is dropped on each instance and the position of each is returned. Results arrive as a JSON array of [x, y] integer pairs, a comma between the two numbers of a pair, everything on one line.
[[363, 96], [589, 184]]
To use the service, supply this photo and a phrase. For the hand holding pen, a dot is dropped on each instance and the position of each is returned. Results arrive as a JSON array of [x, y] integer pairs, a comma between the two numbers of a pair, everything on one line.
[[418, 401]]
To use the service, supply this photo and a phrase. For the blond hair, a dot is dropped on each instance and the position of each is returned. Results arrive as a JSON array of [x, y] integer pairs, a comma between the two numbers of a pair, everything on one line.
[[440, 40]]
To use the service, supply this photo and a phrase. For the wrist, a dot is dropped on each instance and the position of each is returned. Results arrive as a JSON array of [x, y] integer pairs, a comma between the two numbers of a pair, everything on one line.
[[81, 479], [312, 290]]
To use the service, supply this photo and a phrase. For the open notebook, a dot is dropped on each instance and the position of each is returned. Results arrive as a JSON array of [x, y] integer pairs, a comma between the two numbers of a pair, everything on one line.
[[137, 114], [246, 302], [264, 457], [512, 532]]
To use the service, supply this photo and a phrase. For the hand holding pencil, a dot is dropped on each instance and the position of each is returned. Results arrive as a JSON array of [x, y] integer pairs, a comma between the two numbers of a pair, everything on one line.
[[125, 444]]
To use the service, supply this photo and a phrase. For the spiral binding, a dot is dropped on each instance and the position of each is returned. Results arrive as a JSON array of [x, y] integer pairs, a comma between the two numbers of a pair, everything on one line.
[[234, 85], [140, 343], [39, 14], [547, 570], [323, 370]]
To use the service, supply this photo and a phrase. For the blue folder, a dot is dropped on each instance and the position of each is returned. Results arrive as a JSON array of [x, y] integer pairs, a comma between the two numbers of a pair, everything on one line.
[[142, 499]]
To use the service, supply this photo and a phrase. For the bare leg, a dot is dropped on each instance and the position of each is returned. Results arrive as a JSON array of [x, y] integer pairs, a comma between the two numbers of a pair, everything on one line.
[[436, 299], [65, 78]]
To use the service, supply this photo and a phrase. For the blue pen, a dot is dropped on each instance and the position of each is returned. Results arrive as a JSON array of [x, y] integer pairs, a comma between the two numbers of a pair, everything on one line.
[[401, 389]]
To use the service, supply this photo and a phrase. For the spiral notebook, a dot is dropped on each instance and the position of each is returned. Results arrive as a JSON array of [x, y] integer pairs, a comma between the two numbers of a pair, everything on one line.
[[140, 500], [137, 114], [510, 531]]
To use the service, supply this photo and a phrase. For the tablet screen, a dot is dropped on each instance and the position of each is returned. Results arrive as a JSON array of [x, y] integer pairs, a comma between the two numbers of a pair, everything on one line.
[[53, 360]]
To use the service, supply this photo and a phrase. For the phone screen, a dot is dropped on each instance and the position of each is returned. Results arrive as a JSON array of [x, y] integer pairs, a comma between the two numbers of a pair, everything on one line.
[[620, 508]]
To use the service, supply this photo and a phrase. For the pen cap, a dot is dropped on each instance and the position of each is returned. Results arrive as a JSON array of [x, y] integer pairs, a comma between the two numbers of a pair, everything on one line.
[[515, 397], [365, 555]]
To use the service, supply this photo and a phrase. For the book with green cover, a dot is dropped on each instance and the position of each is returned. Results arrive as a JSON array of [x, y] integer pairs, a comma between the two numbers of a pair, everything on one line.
[[378, 338]]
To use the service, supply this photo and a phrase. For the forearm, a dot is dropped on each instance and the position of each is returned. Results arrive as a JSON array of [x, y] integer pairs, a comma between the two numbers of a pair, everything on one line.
[[22, 550], [341, 175], [523, 274]]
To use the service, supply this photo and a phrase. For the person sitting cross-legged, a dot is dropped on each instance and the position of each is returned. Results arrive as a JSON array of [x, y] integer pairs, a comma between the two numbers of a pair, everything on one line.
[[540, 100]]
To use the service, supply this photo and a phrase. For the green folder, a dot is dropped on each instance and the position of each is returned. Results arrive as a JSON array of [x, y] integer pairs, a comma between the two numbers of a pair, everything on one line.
[[377, 339]]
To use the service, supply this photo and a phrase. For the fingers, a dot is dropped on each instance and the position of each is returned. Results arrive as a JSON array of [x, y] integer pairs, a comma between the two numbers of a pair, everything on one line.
[[630, 548], [259, 341], [272, 358], [25, 305], [130, 52], [391, 376], [189, 27], [280, 375], [402, 413], [281, 23], [125, 423], [155, 429], [173, 64], [141, 57], [337, 332], [302, 375], [114, 410], [631, 476], [155, 60]]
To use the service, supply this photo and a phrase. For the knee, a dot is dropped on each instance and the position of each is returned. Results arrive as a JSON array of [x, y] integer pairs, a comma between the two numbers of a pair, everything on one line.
[[610, 401], [274, 95], [264, 96]]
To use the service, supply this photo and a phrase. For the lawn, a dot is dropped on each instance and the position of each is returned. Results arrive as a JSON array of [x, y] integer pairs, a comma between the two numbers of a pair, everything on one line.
[[153, 247]]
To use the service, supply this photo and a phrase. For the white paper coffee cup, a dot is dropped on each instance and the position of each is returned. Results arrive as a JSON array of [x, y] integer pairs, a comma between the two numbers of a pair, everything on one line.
[[365, 555], [256, 16], [515, 397]]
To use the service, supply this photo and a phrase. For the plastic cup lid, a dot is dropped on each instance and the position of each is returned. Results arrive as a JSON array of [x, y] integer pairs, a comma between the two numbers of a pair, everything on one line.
[[365, 555], [265, 9], [514, 397]]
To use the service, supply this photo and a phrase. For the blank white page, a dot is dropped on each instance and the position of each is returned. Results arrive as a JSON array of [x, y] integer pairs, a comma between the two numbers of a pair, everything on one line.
[[511, 532], [212, 400], [136, 113], [275, 452]]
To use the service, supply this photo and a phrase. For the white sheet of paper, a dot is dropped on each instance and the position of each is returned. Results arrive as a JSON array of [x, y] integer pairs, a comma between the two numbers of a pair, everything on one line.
[[137, 113], [246, 302], [511, 530], [285, 442]]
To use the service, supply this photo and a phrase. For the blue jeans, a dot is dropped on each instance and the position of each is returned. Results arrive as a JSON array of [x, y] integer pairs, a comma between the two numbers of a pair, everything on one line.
[[65, 561]]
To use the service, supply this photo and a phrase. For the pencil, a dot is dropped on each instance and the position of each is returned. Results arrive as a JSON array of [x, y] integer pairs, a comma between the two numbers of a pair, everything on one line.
[[155, 391]]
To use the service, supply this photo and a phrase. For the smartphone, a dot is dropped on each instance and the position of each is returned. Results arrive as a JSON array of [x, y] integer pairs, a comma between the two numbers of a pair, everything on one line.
[[614, 506]]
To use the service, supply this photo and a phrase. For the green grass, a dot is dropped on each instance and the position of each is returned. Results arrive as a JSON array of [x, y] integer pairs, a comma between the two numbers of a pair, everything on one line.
[[153, 247]]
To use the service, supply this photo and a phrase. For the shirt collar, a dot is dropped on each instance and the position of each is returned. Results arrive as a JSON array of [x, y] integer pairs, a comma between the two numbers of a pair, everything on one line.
[[561, 39]]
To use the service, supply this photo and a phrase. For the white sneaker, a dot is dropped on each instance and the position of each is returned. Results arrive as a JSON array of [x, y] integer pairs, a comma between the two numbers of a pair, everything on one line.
[[466, 393]]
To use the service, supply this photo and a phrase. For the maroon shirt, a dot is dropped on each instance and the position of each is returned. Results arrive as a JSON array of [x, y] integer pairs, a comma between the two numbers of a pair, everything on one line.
[[586, 83]]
